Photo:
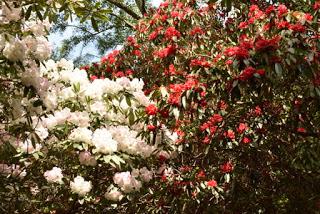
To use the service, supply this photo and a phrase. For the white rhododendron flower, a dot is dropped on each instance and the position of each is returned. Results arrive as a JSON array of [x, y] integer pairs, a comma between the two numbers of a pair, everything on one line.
[[54, 175], [14, 50], [145, 174], [81, 134], [127, 182], [80, 186], [87, 159], [10, 13], [113, 195], [102, 140], [27, 147]]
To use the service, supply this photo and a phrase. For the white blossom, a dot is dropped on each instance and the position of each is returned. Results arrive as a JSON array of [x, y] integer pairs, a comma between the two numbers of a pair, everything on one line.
[[54, 175], [80, 186]]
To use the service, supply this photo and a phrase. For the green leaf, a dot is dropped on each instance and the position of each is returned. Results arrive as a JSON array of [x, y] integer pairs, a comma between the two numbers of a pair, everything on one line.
[[278, 69], [94, 24]]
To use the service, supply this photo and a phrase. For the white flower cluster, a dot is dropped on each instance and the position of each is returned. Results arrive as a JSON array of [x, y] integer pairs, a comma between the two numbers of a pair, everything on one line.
[[129, 182], [54, 175], [80, 186], [9, 12], [129, 143]]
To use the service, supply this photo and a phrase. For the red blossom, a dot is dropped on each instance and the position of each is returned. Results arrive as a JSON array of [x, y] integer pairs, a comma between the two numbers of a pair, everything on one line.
[[172, 32], [246, 140], [242, 128], [226, 167], [151, 127], [238, 52], [243, 25], [212, 183], [247, 73], [153, 35], [301, 130], [297, 28], [230, 134], [151, 109], [282, 9], [267, 44]]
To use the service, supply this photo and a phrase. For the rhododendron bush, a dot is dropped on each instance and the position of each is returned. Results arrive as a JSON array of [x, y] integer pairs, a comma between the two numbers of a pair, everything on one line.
[[241, 90], [202, 111]]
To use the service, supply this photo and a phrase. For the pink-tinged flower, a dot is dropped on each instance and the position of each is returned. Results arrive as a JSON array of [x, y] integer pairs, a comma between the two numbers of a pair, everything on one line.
[[136, 52], [242, 128], [226, 167], [301, 130], [212, 183], [246, 140], [151, 109], [282, 9]]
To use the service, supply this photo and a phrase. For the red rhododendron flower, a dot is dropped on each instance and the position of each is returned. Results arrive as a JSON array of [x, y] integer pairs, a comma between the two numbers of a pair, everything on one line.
[[153, 35], [257, 111], [267, 44], [165, 52], [261, 72], [243, 25], [282, 9], [201, 175], [196, 30], [238, 52], [206, 140], [216, 118], [301, 130], [246, 140], [151, 127], [316, 5], [226, 167], [151, 109], [298, 28], [242, 128], [172, 32], [93, 77], [247, 73], [230, 134], [282, 25], [212, 183]]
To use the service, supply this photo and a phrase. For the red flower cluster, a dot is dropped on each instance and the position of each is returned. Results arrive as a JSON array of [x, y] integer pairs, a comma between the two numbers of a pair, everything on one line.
[[151, 109], [238, 52], [163, 53], [248, 73], [226, 167], [262, 44], [171, 32]]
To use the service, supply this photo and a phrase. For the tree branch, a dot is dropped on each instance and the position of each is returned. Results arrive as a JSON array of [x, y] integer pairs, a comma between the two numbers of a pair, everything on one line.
[[125, 9], [128, 24]]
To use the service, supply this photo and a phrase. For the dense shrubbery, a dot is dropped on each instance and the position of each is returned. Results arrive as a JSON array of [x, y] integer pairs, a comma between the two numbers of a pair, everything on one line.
[[230, 124], [242, 92]]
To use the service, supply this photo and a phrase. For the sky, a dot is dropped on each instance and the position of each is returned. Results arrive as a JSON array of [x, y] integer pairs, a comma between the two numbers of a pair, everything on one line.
[[57, 38]]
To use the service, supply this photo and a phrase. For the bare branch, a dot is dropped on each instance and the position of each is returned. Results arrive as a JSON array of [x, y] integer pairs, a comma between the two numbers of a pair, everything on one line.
[[125, 9]]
